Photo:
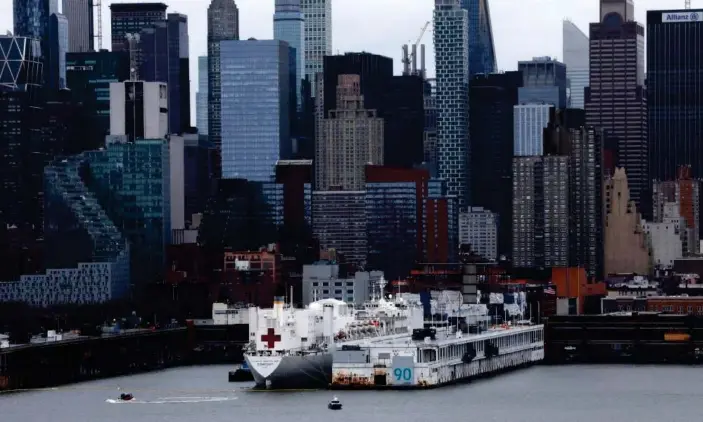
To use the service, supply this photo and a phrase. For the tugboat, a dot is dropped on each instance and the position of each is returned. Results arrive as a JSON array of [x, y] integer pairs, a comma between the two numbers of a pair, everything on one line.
[[243, 374], [335, 404], [126, 397]]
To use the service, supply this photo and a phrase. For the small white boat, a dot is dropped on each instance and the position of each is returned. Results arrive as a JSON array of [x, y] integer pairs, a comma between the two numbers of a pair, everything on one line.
[[335, 404]]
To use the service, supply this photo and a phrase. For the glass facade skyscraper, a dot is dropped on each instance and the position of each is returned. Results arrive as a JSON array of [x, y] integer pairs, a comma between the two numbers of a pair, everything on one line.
[[544, 82], [165, 58], [289, 26], [131, 181], [178, 73], [201, 112], [87, 255], [318, 37], [256, 99], [529, 121], [21, 158], [154, 53], [89, 76], [31, 18], [674, 93], [131, 18], [482, 56], [575, 53], [222, 24], [77, 226], [451, 29]]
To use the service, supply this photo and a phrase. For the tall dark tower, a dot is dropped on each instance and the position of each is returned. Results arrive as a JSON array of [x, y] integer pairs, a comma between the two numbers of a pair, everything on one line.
[[222, 25], [675, 92], [616, 99], [131, 18], [31, 18]]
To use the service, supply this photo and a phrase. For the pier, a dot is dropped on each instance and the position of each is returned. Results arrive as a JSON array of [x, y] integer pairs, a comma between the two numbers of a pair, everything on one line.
[[645, 337], [79, 359]]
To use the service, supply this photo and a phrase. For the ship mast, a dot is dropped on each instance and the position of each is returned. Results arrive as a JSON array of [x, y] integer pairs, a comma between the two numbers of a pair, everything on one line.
[[381, 284]]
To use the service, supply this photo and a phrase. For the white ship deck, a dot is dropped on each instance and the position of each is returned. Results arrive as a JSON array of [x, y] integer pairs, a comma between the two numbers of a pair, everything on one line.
[[442, 338], [401, 362]]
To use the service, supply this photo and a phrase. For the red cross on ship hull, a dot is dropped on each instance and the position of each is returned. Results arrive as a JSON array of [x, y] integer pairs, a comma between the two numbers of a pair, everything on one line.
[[271, 338]]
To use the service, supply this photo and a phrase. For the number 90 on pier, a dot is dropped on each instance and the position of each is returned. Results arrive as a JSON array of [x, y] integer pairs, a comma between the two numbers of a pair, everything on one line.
[[403, 375], [403, 370]]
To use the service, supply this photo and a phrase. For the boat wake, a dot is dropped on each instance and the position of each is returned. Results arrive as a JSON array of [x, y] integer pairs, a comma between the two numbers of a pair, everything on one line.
[[168, 400]]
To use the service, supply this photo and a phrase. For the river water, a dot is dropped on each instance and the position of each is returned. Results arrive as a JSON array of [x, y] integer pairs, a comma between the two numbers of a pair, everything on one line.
[[543, 393]]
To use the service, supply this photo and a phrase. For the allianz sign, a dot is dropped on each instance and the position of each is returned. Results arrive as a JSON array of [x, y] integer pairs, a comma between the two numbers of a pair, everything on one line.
[[692, 16]]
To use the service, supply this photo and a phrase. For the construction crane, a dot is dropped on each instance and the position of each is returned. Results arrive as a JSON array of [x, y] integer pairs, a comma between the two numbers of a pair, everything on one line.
[[98, 4], [687, 4], [412, 57]]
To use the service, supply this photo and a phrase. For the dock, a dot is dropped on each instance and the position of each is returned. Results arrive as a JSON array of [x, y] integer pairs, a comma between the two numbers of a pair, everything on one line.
[[628, 337]]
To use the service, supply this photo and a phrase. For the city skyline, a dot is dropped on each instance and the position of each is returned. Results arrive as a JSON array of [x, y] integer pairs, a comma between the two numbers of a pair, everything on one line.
[[256, 20]]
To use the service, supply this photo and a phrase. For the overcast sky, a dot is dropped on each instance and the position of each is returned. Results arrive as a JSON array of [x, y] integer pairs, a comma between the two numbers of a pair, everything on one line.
[[521, 28]]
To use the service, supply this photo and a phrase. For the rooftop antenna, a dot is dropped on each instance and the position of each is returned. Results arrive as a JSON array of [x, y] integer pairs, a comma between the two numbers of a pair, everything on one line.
[[133, 40]]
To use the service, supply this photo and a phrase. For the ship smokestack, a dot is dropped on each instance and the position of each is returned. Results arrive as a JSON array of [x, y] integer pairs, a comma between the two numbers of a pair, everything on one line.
[[278, 309], [327, 322]]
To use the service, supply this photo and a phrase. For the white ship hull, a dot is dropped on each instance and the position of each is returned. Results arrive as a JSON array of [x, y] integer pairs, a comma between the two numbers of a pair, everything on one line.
[[291, 372]]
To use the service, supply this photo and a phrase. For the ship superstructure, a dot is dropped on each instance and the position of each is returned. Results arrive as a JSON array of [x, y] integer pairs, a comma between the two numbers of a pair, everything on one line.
[[292, 348]]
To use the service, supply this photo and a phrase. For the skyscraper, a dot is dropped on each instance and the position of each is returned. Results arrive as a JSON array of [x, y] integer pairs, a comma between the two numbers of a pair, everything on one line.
[[31, 18], [374, 72], [452, 66], [529, 121], [344, 154], [178, 73], [80, 25], [492, 98], [222, 25], [58, 46], [616, 99], [154, 53], [541, 211], [674, 92], [567, 136], [404, 116], [256, 98], [575, 53], [88, 76], [131, 18], [482, 57], [289, 26], [201, 114], [20, 109], [318, 36], [544, 82], [586, 199]]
